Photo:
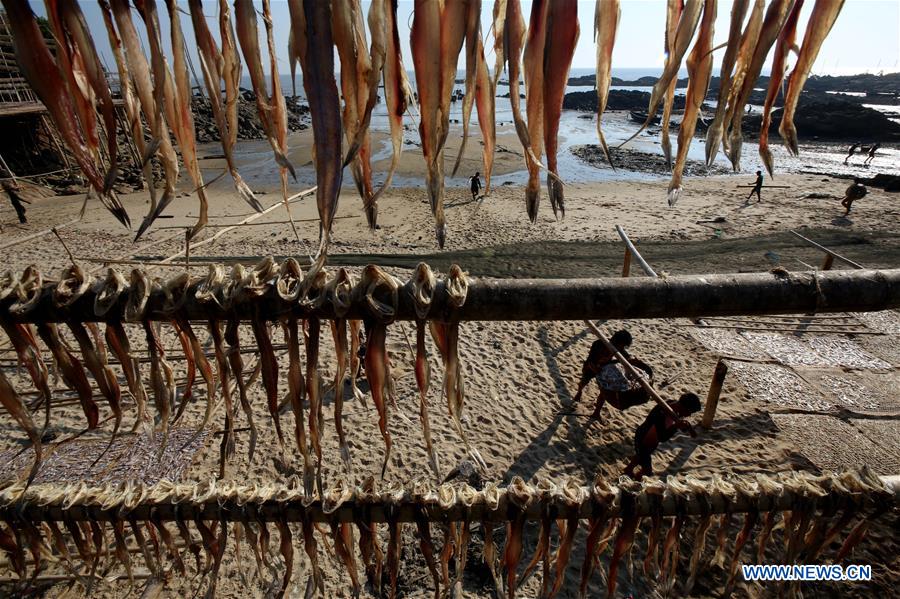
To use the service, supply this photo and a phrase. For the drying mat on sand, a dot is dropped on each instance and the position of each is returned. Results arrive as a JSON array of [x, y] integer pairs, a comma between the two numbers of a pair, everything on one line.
[[823, 351], [131, 456], [886, 321], [723, 342], [859, 391], [833, 444], [887, 434], [779, 387]]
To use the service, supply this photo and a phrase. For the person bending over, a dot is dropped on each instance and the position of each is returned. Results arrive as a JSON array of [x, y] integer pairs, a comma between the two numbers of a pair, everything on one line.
[[856, 191], [618, 386], [659, 427]]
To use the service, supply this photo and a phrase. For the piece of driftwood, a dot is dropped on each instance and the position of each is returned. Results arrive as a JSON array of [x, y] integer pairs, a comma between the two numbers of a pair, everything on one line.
[[17, 241], [689, 296]]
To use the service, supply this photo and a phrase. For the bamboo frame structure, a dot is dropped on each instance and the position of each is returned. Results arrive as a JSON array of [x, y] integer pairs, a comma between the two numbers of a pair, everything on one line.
[[235, 502], [689, 296]]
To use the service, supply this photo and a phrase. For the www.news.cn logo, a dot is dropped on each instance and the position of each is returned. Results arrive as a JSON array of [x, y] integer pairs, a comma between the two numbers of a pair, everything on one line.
[[806, 572]]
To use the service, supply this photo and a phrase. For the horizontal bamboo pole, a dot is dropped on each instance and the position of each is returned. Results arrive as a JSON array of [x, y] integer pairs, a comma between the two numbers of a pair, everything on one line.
[[689, 296], [237, 503]]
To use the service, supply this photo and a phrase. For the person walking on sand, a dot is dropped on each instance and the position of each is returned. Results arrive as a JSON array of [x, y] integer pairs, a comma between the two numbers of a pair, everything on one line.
[[617, 385], [871, 155], [12, 192], [757, 187], [657, 428], [856, 191], [475, 185], [852, 151]]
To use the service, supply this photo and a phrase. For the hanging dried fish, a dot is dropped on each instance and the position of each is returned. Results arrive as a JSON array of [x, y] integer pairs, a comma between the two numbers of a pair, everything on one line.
[[624, 539], [376, 282], [339, 290], [423, 286], [212, 65], [40, 69], [542, 551], [356, 75], [824, 14], [520, 497], [271, 109], [699, 537], [398, 95], [771, 27], [426, 546], [741, 66], [472, 40], [311, 28], [232, 338], [436, 39], [716, 126], [16, 408], [785, 43], [606, 22], [533, 61], [684, 32], [674, 8], [572, 496], [699, 67], [72, 371]]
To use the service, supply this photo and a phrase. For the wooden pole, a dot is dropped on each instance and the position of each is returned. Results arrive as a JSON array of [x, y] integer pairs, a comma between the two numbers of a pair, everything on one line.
[[631, 369], [690, 296], [827, 251], [626, 263], [637, 255], [715, 391]]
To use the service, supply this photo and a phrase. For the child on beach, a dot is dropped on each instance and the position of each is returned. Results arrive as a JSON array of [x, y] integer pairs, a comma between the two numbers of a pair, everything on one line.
[[854, 192], [659, 427], [618, 386], [757, 187], [475, 185]]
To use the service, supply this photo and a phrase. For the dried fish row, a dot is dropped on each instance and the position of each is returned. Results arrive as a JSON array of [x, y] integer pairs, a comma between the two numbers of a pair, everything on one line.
[[112, 295], [817, 510]]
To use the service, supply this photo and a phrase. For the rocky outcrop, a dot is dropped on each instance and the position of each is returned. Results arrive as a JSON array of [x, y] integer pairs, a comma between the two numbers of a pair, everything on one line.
[[828, 118], [249, 126], [618, 100]]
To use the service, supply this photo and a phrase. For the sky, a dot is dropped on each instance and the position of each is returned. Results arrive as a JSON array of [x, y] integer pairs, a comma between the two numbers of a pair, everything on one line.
[[866, 37]]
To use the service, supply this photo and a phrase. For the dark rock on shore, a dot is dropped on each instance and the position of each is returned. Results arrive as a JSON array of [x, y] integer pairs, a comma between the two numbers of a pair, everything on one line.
[[829, 118], [618, 100], [249, 126], [644, 162]]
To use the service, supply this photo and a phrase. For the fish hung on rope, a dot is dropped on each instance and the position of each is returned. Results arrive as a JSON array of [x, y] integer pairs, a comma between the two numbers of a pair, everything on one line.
[[359, 71], [714, 131], [772, 24], [313, 47], [678, 46], [271, 109], [69, 105], [216, 67], [552, 34], [160, 143], [480, 93], [436, 39], [606, 22], [821, 20], [699, 67], [784, 44], [674, 8], [398, 95]]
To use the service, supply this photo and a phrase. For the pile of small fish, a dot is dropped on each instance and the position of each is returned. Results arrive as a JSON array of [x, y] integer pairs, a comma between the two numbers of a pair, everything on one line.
[[47, 521], [117, 302], [746, 50], [157, 97]]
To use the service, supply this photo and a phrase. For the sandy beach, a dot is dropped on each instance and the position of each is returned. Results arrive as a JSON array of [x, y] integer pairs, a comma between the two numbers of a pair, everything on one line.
[[834, 407]]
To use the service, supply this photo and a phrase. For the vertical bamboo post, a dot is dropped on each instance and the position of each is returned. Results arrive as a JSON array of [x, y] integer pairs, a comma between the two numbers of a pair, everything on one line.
[[715, 390], [626, 263], [829, 261]]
